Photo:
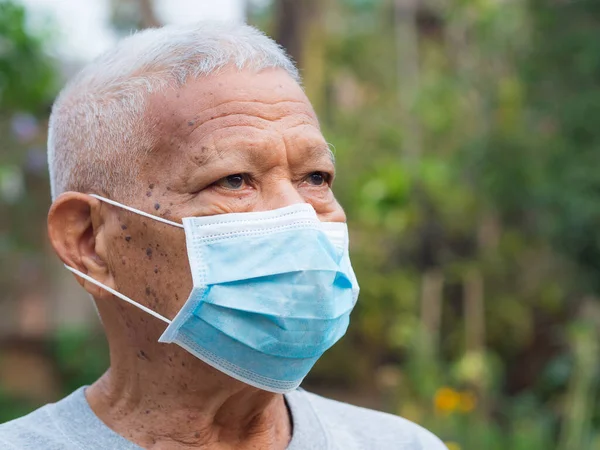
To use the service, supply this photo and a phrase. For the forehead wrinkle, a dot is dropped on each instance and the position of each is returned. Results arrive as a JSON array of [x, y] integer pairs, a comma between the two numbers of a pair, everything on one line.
[[262, 102], [255, 109], [250, 122]]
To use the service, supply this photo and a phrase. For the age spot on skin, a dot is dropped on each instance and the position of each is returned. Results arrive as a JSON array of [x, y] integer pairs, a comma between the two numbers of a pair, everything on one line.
[[149, 252], [149, 194], [148, 291], [123, 227], [151, 186]]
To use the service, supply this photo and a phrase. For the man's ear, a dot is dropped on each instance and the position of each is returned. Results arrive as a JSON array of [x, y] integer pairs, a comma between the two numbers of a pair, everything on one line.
[[73, 237]]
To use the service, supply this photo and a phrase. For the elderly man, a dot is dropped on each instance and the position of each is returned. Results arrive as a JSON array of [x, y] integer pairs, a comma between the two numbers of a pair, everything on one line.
[[192, 201]]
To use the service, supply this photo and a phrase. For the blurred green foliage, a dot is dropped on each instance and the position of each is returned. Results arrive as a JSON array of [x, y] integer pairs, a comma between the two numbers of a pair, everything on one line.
[[28, 82], [27, 77], [466, 165]]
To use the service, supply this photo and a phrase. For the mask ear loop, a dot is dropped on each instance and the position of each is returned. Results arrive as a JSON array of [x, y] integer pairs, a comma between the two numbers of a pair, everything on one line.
[[118, 294], [136, 211]]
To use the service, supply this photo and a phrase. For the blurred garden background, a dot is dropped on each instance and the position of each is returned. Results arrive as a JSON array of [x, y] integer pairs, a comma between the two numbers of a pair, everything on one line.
[[468, 148]]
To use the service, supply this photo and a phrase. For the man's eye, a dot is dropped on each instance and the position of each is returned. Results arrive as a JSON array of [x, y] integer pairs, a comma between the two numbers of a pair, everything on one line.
[[318, 178], [233, 182]]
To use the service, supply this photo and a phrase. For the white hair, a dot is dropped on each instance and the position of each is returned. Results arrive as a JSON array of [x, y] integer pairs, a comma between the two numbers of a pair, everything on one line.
[[96, 134]]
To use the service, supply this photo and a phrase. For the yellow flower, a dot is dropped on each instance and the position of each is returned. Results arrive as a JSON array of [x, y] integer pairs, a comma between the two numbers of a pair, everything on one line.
[[467, 402], [452, 446], [446, 400]]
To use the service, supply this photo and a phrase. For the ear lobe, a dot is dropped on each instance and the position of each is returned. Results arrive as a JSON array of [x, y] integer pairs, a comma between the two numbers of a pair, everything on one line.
[[71, 232]]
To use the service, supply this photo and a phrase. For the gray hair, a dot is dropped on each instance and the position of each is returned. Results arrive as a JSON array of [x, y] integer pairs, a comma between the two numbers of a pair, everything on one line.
[[96, 132]]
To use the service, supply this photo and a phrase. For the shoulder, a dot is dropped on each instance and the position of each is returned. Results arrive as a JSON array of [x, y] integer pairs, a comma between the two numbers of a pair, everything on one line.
[[49, 427], [371, 429], [33, 431]]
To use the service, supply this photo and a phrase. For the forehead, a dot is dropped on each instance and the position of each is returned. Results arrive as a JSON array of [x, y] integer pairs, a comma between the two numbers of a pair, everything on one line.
[[268, 95]]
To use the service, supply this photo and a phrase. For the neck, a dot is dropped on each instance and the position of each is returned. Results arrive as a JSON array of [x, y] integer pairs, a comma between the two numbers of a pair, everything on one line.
[[160, 396]]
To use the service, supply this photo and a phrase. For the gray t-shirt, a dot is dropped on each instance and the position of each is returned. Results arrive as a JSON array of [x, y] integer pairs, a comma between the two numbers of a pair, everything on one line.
[[318, 424]]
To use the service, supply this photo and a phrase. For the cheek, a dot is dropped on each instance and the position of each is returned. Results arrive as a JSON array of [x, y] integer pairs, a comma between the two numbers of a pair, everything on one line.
[[150, 265], [334, 214], [168, 278], [211, 203], [325, 204]]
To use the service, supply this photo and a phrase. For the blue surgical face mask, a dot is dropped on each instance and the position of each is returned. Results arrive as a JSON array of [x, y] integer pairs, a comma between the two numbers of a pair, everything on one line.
[[272, 291]]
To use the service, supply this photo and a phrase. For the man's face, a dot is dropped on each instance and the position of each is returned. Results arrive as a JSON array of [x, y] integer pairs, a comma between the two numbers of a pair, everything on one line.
[[232, 142]]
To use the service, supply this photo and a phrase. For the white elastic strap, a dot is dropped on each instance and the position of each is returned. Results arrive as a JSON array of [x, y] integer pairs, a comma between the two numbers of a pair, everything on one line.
[[118, 294], [136, 211]]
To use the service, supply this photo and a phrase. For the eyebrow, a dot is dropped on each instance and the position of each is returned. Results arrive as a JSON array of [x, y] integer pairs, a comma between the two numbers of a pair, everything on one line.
[[321, 150], [331, 150]]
